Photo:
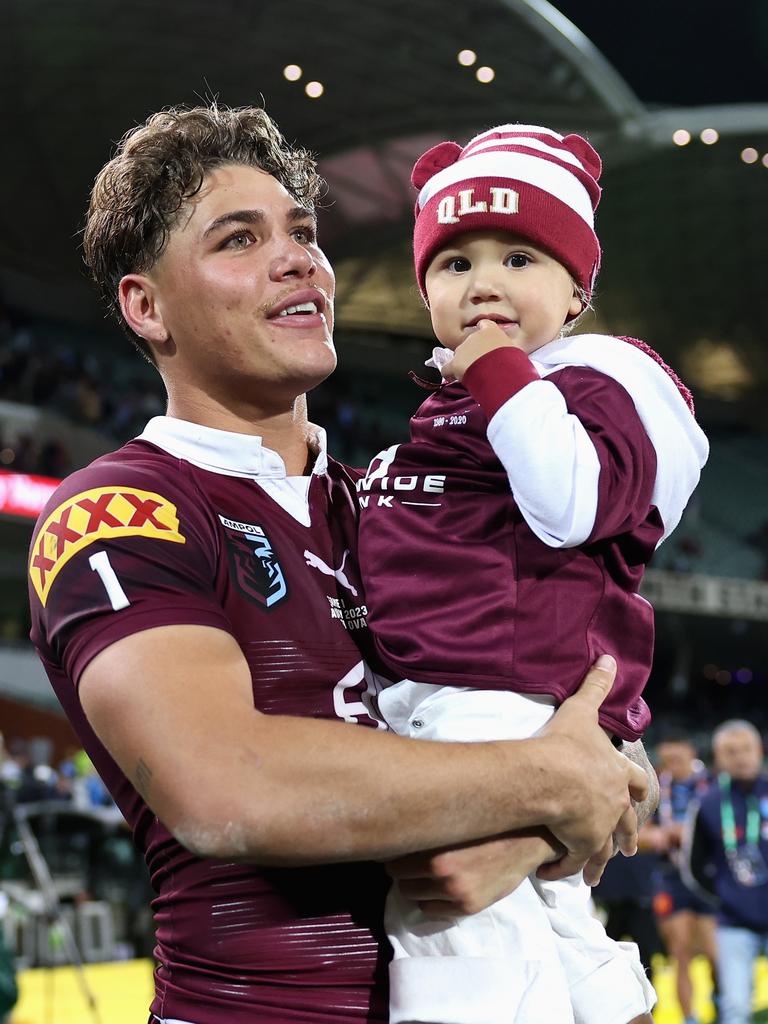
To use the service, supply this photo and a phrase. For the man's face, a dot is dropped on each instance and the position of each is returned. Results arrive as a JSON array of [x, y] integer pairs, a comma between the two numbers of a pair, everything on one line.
[[245, 292], [494, 275], [739, 753], [676, 757]]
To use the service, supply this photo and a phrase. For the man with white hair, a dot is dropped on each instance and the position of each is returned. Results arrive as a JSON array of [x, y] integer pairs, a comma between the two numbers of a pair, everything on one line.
[[727, 854]]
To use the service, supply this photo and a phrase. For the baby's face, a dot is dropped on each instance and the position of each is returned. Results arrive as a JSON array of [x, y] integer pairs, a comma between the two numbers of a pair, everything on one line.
[[493, 275]]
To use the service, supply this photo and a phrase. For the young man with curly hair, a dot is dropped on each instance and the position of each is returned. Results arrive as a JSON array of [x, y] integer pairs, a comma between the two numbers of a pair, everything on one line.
[[193, 599]]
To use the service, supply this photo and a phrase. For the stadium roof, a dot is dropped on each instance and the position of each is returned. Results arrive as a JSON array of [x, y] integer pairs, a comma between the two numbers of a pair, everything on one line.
[[76, 75]]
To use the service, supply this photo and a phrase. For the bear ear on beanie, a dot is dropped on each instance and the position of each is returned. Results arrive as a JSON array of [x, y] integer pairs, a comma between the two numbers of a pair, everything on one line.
[[436, 159], [582, 150]]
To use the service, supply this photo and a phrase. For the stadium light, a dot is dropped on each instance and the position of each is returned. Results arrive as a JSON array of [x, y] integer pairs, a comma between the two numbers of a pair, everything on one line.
[[485, 74], [314, 90], [681, 137], [467, 58], [749, 155], [292, 72], [709, 136]]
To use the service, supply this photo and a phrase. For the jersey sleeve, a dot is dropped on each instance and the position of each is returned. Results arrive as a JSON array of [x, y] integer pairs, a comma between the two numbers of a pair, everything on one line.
[[118, 550], [579, 461]]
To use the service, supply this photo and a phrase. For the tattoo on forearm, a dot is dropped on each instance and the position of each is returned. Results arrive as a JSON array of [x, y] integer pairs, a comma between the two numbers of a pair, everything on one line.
[[143, 778]]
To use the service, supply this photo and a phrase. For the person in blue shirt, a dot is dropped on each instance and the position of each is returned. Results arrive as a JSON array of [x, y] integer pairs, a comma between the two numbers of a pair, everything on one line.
[[684, 918], [727, 855]]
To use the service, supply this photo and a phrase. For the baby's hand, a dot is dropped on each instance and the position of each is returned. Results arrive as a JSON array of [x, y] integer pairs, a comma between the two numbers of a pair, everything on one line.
[[467, 879], [486, 338]]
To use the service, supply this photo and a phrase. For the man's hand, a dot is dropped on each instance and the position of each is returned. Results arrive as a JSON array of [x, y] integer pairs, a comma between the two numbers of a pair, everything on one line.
[[636, 753], [469, 878], [597, 786], [486, 338]]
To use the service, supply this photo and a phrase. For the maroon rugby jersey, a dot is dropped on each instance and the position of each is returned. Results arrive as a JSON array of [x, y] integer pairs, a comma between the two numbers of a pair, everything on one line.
[[461, 592], [143, 538]]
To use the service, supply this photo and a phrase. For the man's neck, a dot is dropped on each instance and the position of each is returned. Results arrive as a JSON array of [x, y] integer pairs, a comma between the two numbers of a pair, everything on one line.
[[284, 431]]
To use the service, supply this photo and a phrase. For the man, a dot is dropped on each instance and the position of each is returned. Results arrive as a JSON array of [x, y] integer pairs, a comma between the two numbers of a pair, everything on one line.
[[727, 855], [685, 920], [196, 607]]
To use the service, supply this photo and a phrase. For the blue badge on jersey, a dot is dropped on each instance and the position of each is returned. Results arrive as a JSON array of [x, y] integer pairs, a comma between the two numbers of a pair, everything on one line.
[[253, 563]]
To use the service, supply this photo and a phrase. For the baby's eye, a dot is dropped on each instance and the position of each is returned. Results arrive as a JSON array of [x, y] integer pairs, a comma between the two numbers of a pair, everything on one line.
[[517, 260], [458, 264]]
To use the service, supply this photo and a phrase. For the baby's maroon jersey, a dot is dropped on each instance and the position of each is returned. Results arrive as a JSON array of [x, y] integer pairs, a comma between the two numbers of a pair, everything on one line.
[[140, 539], [461, 592]]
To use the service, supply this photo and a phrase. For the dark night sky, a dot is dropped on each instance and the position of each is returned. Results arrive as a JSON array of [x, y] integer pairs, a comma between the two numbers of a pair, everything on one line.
[[681, 52]]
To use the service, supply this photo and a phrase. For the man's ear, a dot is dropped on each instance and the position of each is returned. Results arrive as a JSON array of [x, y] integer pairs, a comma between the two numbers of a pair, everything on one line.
[[141, 308]]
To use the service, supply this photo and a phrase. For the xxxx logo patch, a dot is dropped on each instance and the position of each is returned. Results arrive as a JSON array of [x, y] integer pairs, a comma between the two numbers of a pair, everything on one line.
[[94, 515]]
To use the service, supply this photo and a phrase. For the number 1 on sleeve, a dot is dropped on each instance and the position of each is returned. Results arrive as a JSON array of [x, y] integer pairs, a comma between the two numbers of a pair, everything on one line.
[[101, 565]]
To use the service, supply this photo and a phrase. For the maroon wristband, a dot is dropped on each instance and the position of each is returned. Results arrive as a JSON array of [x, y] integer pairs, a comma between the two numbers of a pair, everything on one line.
[[497, 376]]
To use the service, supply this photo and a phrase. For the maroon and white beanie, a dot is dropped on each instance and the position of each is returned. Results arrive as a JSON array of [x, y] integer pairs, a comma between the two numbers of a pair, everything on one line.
[[520, 178]]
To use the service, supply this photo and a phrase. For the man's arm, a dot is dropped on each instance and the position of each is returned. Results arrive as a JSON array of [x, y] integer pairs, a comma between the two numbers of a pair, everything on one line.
[[174, 707]]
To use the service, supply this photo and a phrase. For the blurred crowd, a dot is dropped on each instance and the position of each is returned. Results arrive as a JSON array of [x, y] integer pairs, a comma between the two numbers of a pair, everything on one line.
[[28, 777], [699, 885], [83, 388], [116, 397]]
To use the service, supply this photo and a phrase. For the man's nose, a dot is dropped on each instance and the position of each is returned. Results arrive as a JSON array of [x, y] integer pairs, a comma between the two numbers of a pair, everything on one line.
[[292, 259]]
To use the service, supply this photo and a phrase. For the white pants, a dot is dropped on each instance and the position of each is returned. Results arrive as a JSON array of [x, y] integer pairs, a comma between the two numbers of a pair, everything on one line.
[[538, 956]]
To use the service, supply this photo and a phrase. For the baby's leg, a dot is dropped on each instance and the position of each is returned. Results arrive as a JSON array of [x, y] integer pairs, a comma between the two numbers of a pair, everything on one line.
[[607, 981], [496, 967]]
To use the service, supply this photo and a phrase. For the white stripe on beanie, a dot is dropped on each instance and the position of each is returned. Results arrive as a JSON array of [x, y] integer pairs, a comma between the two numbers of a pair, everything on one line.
[[559, 182], [523, 142], [512, 129]]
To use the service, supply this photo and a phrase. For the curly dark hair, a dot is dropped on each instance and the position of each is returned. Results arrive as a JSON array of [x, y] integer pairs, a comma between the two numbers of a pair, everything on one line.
[[161, 164]]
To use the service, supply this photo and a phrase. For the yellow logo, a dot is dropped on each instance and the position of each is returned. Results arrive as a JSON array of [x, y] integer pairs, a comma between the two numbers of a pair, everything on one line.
[[94, 515]]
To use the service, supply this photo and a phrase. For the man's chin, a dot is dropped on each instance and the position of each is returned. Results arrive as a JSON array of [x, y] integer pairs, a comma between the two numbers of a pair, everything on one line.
[[319, 378], [317, 367]]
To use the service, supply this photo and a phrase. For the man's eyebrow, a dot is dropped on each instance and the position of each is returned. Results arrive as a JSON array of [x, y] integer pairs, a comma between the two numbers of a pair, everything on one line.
[[234, 217], [301, 213], [296, 213]]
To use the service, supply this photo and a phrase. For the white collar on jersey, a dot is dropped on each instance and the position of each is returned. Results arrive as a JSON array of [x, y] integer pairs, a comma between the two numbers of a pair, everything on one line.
[[224, 452]]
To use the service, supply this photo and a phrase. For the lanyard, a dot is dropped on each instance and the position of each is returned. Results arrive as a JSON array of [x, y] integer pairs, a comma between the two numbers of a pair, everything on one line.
[[728, 821]]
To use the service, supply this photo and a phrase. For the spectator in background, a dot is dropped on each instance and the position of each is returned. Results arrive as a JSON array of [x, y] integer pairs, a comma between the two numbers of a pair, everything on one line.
[[685, 920], [25, 780], [726, 853], [625, 894]]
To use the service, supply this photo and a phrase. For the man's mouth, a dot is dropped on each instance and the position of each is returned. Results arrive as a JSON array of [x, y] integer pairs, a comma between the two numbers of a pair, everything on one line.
[[301, 308]]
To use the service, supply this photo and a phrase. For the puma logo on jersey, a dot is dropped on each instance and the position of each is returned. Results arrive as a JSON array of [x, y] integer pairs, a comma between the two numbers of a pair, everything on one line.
[[339, 575]]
